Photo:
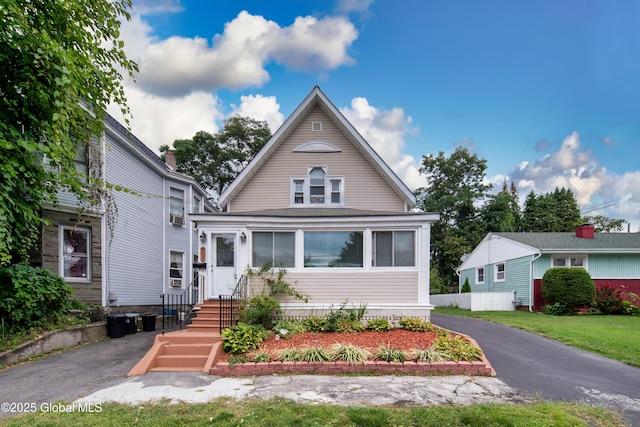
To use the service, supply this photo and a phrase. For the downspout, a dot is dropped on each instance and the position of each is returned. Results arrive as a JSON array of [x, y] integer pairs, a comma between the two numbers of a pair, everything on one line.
[[531, 279]]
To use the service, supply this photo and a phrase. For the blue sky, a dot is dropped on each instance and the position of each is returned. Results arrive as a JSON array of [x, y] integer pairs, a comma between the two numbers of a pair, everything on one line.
[[547, 92]]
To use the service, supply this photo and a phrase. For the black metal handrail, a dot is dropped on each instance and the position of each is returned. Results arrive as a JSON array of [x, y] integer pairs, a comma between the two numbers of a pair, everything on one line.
[[231, 304], [178, 308]]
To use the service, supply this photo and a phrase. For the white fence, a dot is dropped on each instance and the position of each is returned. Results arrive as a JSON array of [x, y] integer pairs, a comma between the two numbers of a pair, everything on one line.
[[476, 301]]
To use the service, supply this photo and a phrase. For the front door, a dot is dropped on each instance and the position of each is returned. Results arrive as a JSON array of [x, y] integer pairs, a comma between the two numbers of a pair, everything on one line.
[[223, 264]]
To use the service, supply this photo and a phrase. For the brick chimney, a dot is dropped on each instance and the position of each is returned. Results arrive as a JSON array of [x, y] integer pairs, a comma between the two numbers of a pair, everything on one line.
[[170, 159], [585, 231]]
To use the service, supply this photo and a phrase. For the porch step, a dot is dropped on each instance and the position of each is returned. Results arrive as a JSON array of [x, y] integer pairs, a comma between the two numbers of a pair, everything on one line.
[[180, 361], [187, 349]]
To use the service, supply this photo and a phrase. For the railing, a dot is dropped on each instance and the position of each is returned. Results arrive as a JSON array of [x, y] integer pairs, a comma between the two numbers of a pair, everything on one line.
[[178, 308], [231, 304]]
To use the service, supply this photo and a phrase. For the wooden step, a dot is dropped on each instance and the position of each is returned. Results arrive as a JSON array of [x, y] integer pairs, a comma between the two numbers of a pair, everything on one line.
[[187, 349]]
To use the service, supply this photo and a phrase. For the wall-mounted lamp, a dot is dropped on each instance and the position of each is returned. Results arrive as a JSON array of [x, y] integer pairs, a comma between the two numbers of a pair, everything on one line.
[[203, 237], [243, 237]]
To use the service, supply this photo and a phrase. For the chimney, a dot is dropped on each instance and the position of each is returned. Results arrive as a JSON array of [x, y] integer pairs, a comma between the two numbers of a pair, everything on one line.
[[170, 159], [585, 231]]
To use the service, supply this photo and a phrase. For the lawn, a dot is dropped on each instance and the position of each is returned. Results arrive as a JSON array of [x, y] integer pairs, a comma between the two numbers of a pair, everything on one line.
[[282, 412], [615, 337]]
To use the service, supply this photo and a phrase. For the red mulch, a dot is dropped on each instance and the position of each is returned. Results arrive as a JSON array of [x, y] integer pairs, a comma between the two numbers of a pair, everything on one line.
[[370, 340]]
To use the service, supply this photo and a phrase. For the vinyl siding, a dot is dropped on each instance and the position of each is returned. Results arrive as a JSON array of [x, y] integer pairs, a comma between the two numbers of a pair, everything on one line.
[[364, 188], [516, 278], [600, 266], [372, 287]]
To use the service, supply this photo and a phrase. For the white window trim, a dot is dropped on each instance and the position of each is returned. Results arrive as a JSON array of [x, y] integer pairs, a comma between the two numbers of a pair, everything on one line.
[[172, 217], [495, 272], [567, 258], [484, 275], [181, 269], [393, 267], [295, 248], [307, 189], [61, 231]]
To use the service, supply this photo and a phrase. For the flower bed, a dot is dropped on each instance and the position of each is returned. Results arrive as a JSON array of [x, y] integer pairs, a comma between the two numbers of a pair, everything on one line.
[[369, 341]]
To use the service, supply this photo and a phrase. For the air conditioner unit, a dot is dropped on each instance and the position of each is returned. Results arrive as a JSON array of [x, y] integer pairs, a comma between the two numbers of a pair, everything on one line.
[[175, 283], [176, 219]]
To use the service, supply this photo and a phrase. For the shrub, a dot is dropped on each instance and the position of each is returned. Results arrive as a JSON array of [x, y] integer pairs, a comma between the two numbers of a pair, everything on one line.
[[291, 354], [292, 326], [261, 310], [242, 338], [572, 287], [557, 309], [608, 300], [349, 326], [349, 353], [343, 313], [379, 325], [457, 349], [629, 309], [314, 324], [466, 287], [386, 353], [315, 354], [32, 296], [261, 357], [415, 324], [428, 355]]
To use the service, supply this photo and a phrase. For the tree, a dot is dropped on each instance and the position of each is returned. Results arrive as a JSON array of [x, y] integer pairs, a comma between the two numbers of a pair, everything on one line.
[[455, 186], [604, 224], [215, 160], [551, 212], [501, 213], [60, 65]]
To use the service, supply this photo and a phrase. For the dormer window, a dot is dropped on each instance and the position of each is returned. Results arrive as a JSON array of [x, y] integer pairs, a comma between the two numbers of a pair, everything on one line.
[[317, 188]]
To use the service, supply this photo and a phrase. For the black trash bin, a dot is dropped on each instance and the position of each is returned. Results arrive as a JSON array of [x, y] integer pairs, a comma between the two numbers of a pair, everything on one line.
[[116, 325], [131, 323], [149, 322]]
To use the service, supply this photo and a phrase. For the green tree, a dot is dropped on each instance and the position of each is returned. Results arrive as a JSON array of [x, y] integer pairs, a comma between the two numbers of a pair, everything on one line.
[[603, 224], [501, 213], [455, 186], [466, 287], [214, 160], [60, 66], [551, 212]]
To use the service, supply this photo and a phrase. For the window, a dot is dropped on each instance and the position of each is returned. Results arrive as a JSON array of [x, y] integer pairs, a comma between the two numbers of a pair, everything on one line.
[[175, 269], [81, 163], [275, 248], [316, 126], [176, 211], [499, 272], [393, 249], [195, 208], [225, 250], [333, 249], [569, 261], [479, 275], [317, 188], [75, 258]]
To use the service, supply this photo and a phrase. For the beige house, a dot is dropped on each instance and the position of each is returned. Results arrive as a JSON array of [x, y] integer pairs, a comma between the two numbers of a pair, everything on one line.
[[320, 202]]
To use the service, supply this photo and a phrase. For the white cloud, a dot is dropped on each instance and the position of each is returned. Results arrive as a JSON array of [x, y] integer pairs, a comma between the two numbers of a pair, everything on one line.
[[260, 107], [348, 6], [385, 131], [575, 167], [236, 58]]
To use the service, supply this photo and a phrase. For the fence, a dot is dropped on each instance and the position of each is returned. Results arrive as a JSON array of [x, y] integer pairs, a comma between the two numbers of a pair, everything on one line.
[[476, 301]]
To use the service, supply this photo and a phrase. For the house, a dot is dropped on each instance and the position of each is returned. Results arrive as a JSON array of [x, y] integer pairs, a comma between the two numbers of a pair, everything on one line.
[[517, 261], [318, 201], [139, 244]]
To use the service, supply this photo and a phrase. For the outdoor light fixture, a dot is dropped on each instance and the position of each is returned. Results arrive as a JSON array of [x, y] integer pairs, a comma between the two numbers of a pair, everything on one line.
[[203, 237], [243, 237]]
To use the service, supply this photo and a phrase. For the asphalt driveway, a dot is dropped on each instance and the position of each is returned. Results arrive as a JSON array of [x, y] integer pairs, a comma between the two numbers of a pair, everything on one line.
[[538, 366]]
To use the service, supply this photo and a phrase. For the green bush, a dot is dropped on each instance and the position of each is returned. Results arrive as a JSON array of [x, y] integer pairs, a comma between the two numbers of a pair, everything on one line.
[[466, 287], [291, 326], [261, 310], [572, 287], [416, 324], [242, 338], [32, 296], [457, 349], [335, 317], [349, 326], [379, 325], [390, 354], [557, 309], [314, 324]]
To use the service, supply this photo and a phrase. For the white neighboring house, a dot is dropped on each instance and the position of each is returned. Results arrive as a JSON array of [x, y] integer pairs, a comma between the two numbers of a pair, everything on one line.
[[320, 202], [151, 247]]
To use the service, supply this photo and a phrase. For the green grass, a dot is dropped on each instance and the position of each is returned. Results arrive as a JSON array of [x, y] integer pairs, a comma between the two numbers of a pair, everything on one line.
[[615, 337], [282, 412]]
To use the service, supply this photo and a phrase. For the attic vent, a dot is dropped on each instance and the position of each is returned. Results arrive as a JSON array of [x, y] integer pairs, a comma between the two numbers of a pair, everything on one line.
[[316, 126]]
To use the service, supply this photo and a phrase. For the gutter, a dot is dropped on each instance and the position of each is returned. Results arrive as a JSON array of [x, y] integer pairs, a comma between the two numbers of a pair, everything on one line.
[[538, 255]]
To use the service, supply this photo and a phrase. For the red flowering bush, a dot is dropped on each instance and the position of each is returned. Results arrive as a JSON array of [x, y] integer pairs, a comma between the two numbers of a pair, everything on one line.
[[608, 300]]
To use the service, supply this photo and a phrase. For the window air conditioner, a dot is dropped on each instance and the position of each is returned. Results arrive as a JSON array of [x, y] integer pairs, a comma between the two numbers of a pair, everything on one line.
[[176, 219], [175, 283]]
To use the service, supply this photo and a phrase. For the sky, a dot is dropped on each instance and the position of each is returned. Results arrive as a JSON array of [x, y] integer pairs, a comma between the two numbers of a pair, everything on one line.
[[546, 91]]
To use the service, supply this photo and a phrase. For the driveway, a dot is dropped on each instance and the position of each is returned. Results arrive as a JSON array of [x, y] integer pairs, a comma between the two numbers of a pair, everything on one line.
[[535, 365]]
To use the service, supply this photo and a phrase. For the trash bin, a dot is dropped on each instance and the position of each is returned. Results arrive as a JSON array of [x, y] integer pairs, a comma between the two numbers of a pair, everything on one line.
[[131, 323], [148, 322], [116, 325]]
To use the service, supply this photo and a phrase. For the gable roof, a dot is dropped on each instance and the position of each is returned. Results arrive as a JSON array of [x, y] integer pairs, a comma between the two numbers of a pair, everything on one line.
[[317, 98], [568, 242]]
